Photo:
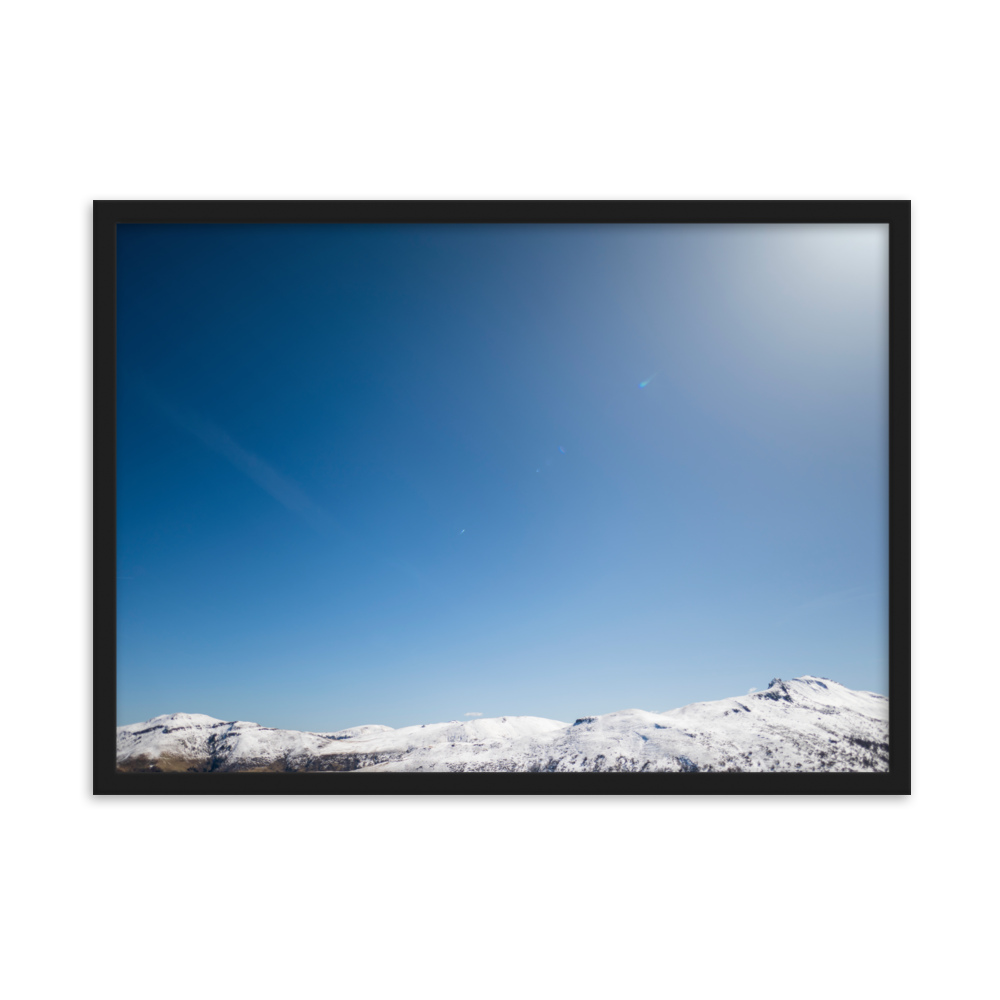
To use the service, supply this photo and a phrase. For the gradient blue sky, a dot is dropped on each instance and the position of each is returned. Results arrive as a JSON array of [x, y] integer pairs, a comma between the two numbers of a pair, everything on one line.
[[397, 474]]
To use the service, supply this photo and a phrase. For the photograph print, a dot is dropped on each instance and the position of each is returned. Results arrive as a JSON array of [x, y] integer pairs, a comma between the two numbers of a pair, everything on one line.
[[482, 498]]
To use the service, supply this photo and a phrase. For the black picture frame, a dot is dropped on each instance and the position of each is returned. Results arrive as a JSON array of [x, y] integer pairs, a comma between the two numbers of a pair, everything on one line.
[[108, 214]]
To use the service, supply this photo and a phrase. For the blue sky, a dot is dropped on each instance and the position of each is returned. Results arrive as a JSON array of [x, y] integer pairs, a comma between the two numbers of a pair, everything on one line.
[[397, 474]]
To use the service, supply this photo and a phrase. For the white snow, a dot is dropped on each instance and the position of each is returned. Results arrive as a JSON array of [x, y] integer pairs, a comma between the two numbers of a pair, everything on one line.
[[808, 723]]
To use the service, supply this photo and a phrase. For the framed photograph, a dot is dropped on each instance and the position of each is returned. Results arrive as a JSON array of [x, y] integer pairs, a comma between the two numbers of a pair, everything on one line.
[[545, 497]]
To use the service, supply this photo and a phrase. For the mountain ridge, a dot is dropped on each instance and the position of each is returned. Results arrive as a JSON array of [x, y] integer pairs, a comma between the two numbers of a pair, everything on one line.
[[807, 723]]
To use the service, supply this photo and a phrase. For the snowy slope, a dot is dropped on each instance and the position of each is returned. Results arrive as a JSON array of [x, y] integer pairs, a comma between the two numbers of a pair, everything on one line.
[[475, 733], [183, 742], [805, 724]]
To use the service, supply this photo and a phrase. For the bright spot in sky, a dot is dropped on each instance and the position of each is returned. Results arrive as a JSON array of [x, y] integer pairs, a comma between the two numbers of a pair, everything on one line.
[[462, 532], [642, 385], [562, 449]]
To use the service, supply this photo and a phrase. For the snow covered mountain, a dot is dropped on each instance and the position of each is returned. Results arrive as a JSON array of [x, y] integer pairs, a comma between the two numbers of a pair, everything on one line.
[[805, 724]]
